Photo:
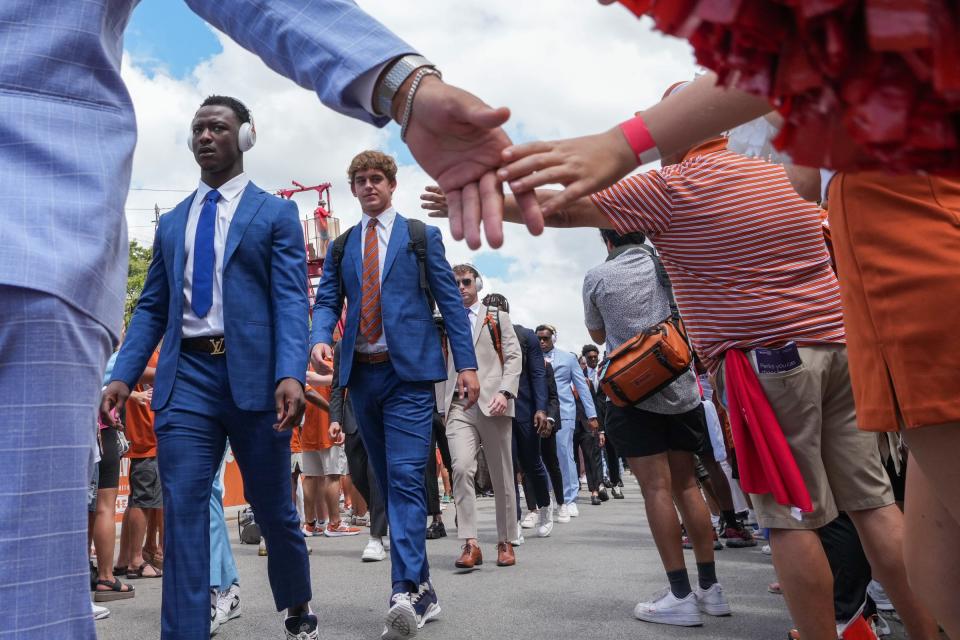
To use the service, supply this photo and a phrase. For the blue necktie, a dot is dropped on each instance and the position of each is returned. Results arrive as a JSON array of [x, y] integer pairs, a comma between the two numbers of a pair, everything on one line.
[[204, 256]]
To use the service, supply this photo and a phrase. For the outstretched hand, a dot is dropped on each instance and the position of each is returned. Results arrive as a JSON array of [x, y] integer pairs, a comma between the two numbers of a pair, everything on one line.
[[458, 140], [583, 165], [434, 201]]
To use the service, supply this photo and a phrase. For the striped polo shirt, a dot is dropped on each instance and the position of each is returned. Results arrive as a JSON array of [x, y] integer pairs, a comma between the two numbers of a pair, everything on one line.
[[745, 253]]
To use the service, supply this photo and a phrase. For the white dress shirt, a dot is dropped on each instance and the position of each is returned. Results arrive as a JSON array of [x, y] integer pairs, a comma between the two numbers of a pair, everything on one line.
[[230, 192], [384, 228]]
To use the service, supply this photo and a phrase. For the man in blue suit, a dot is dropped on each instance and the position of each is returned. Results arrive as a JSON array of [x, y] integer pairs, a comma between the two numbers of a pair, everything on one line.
[[391, 356], [227, 293]]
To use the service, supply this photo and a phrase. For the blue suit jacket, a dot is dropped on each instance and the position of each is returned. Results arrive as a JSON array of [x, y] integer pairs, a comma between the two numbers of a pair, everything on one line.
[[412, 337], [264, 302], [532, 396], [67, 125]]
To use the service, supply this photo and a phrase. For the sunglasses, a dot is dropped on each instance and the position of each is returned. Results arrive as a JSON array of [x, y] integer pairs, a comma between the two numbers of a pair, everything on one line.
[[464, 281], [544, 338]]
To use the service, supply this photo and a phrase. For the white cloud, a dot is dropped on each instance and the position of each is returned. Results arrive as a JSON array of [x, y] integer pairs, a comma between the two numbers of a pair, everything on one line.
[[564, 67]]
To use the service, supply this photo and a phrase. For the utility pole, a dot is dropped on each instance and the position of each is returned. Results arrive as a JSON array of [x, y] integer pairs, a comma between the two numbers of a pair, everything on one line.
[[156, 216]]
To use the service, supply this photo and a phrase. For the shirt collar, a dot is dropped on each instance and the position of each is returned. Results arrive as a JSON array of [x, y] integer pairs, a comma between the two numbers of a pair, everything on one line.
[[386, 218], [475, 308], [228, 190], [702, 149]]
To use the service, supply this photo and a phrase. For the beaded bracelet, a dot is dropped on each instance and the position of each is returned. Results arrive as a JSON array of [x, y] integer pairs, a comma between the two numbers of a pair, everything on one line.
[[408, 107]]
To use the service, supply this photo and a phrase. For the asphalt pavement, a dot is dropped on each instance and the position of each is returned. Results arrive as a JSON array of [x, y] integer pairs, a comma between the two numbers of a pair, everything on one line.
[[582, 582]]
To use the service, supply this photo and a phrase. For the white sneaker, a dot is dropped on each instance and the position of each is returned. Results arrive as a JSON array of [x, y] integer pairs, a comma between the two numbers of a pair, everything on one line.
[[373, 552], [666, 608], [99, 613], [876, 592], [519, 539], [765, 550], [401, 620], [712, 601], [545, 523], [228, 604], [530, 520], [214, 618], [563, 514], [574, 511]]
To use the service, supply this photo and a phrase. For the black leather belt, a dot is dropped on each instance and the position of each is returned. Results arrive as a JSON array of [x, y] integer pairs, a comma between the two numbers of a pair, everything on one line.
[[371, 358], [214, 345]]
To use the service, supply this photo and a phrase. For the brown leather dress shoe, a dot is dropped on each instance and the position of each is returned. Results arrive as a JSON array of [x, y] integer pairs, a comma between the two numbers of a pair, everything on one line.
[[470, 558], [505, 555]]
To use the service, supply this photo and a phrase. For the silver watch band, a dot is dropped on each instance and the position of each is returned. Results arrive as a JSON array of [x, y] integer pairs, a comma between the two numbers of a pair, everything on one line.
[[390, 84]]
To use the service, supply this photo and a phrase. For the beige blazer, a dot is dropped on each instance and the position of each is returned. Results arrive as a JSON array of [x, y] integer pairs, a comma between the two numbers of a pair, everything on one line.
[[494, 377]]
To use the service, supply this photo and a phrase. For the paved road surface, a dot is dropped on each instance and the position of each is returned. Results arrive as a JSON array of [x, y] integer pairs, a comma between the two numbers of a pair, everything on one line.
[[581, 583]]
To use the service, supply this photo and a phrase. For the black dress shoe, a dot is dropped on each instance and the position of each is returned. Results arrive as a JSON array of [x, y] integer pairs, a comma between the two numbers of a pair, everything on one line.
[[436, 530], [595, 500], [604, 496]]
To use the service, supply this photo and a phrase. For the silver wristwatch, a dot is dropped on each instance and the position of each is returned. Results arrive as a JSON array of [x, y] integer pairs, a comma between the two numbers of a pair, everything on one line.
[[390, 83]]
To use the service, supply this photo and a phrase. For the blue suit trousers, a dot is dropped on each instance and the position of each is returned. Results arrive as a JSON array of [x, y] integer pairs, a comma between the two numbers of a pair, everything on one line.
[[191, 436], [395, 419], [53, 359], [223, 568]]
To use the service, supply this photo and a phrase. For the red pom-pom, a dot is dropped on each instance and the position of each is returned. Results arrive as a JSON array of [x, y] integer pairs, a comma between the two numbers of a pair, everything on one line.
[[862, 84]]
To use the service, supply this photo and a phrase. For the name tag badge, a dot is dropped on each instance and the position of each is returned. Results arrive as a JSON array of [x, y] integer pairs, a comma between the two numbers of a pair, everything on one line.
[[782, 360]]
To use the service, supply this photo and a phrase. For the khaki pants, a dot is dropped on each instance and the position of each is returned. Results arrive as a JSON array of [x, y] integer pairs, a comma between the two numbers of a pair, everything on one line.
[[466, 430], [840, 464]]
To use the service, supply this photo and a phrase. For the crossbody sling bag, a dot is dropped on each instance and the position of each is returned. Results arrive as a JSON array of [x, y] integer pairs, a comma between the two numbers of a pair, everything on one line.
[[650, 360]]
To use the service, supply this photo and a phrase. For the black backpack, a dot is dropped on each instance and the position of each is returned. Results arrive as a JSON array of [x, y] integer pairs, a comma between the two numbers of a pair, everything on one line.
[[418, 244]]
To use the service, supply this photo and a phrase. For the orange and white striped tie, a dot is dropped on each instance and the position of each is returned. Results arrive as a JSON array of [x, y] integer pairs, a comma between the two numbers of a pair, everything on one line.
[[371, 324]]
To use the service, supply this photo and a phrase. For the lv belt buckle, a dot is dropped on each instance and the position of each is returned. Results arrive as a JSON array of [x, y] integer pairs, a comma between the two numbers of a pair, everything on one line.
[[216, 346]]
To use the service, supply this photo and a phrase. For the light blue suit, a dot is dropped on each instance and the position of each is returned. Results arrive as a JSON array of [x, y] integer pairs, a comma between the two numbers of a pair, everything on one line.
[[68, 132], [394, 401]]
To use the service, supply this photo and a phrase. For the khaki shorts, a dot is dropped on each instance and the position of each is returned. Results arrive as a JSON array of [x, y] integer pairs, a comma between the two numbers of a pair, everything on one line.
[[325, 462], [840, 464]]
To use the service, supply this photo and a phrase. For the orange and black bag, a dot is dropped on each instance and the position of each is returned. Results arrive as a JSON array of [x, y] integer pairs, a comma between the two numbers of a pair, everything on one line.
[[650, 360]]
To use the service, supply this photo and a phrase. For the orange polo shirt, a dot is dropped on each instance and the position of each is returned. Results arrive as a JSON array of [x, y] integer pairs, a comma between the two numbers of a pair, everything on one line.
[[139, 423]]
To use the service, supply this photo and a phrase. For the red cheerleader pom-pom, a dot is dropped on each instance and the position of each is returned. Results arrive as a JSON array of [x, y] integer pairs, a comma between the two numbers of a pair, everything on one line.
[[862, 84]]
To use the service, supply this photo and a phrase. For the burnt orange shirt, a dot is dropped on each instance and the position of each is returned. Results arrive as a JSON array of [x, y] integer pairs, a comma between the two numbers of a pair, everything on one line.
[[139, 423], [295, 445], [316, 424]]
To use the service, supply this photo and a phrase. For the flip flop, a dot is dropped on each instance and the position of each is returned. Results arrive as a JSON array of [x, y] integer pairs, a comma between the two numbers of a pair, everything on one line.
[[116, 591], [138, 573]]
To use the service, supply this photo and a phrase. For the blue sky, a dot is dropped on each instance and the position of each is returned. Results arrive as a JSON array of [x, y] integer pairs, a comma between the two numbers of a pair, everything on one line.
[[165, 34]]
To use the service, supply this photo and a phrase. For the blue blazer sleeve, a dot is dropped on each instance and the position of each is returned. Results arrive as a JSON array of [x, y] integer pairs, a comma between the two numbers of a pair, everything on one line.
[[288, 290], [322, 45], [537, 371], [327, 306], [583, 390], [445, 292], [148, 321]]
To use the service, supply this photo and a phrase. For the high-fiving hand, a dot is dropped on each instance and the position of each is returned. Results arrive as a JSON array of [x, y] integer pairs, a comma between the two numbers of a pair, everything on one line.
[[458, 140]]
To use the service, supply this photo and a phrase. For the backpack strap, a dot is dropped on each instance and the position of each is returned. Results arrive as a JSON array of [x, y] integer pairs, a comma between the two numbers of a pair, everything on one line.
[[418, 244], [339, 247], [493, 327]]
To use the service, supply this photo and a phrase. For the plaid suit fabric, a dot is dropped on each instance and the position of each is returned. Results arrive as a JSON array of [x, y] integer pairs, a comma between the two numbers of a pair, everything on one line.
[[51, 360]]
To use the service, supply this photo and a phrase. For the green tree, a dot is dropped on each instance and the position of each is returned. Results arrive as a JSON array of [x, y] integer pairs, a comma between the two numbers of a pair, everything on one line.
[[140, 257]]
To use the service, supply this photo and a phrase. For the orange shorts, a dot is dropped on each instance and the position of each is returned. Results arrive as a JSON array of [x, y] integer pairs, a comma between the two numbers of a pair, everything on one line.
[[897, 246]]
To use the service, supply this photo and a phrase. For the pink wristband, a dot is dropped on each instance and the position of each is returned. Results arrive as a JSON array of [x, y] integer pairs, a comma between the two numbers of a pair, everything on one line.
[[639, 138]]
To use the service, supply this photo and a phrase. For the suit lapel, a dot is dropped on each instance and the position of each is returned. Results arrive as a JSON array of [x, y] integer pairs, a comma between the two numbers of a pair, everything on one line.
[[399, 237], [251, 200], [478, 325], [178, 231]]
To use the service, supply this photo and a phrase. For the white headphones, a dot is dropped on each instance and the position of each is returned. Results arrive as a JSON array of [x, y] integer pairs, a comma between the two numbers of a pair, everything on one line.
[[476, 274], [246, 137]]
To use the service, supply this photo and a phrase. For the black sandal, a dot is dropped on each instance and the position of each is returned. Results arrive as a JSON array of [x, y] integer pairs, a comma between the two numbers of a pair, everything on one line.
[[118, 591], [136, 574]]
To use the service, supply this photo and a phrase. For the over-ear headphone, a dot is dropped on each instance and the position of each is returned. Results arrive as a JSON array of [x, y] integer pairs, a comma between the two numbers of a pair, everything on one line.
[[476, 275], [246, 137]]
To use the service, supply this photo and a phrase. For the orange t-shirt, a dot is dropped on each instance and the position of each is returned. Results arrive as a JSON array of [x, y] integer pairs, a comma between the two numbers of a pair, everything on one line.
[[139, 423], [316, 424], [295, 446]]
